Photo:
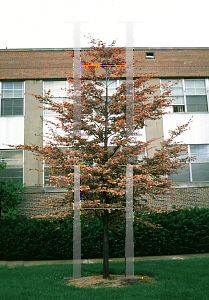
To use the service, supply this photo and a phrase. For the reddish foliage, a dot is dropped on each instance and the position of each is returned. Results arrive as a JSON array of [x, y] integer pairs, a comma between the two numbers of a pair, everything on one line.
[[103, 179]]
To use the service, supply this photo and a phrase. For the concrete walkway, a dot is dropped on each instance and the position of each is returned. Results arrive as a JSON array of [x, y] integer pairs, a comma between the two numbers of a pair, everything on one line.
[[143, 258]]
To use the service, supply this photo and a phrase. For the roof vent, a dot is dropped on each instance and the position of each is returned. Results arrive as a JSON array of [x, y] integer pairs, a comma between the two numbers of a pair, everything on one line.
[[149, 54]]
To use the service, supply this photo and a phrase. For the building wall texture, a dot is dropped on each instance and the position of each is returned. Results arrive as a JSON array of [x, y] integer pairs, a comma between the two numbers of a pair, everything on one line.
[[40, 63], [180, 198], [35, 64]]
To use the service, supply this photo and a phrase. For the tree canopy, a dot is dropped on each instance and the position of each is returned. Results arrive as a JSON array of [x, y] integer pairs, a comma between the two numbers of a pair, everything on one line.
[[103, 148]]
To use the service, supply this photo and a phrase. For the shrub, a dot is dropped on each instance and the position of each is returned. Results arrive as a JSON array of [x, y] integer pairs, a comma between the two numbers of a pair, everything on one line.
[[184, 231]]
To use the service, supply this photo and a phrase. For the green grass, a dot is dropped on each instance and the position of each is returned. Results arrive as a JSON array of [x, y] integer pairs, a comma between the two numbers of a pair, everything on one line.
[[177, 279]]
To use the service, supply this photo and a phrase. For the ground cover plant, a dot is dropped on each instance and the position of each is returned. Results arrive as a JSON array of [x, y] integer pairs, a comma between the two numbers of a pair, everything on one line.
[[176, 279]]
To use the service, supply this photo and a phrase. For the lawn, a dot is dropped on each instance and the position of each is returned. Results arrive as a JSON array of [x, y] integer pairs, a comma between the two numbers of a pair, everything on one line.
[[177, 279]]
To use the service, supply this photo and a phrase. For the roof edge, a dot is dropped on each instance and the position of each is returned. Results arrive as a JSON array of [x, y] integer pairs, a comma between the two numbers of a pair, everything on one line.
[[83, 48]]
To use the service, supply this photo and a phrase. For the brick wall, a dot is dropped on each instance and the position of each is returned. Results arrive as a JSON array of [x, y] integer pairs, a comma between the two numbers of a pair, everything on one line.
[[35, 64], [33, 207], [173, 62], [182, 197], [58, 63]]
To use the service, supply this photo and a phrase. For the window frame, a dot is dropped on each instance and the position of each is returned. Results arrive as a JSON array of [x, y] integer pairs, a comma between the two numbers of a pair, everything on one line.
[[148, 56], [195, 161], [23, 99], [67, 86], [13, 149], [206, 80], [191, 163], [46, 166]]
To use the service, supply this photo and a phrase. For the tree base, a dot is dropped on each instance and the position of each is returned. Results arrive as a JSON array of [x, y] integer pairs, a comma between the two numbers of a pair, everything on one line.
[[130, 277], [115, 281]]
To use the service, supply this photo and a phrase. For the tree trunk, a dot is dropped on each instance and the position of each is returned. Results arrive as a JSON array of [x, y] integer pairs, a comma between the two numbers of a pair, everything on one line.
[[105, 245]]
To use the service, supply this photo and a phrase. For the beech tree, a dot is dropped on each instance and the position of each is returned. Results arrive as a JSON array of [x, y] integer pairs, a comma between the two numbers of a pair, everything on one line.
[[103, 148]]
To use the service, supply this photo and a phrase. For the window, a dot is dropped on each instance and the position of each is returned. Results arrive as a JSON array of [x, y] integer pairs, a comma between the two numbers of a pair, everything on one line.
[[199, 167], [149, 54], [47, 179], [136, 160], [111, 85], [111, 88], [12, 94], [14, 167], [196, 99], [197, 170], [189, 95], [58, 91]]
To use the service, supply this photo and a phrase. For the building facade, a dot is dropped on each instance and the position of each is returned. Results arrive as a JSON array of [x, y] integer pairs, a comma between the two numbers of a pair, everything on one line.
[[25, 72]]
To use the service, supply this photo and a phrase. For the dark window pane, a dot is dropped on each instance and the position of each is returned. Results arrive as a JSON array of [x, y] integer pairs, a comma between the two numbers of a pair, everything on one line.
[[48, 180], [18, 111], [47, 177], [178, 108], [6, 111], [11, 107], [182, 177], [14, 167], [196, 103], [200, 172], [8, 174], [18, 102], [6, 107]]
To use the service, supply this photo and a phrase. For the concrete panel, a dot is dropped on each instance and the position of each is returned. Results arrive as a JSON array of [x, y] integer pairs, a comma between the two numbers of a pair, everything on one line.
[[154, 128], [11, 131], [33, 127], [198, 132]]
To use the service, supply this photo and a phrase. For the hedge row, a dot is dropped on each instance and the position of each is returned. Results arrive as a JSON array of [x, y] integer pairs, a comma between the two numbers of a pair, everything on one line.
[[184, 231]]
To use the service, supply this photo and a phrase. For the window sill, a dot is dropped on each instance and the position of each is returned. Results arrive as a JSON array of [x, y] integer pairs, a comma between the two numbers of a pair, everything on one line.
[[196, 112], [197, 184], [12, 116], [41, 189]]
